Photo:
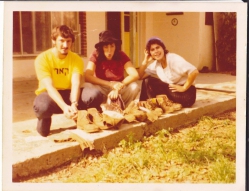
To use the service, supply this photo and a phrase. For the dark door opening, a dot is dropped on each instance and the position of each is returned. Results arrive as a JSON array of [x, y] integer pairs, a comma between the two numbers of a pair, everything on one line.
[[114, 23]]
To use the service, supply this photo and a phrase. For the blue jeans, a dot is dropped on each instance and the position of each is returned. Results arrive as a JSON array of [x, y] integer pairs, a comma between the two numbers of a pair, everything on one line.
[[44, 107]]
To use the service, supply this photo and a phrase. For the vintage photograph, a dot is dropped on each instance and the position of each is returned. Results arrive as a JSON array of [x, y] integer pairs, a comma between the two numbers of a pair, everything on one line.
[[138, 94]]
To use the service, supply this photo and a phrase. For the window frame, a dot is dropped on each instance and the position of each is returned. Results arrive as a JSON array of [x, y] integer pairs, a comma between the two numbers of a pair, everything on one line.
[[76, 45]]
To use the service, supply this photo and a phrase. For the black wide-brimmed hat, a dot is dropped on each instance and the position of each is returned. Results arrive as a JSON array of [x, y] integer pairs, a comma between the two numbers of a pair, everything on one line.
[[107, 37]]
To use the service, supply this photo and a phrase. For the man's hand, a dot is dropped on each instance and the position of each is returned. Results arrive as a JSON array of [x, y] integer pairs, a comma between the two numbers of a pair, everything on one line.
[[113, 95], [71, 112], [117, 85]]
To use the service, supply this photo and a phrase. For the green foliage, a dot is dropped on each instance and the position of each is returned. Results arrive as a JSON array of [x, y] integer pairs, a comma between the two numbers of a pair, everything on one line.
[[226, 43], [203, 153], [220, 172]]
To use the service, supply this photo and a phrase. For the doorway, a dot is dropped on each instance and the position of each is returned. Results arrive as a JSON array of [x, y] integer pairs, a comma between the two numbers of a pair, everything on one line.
[[114, 23], [125, 27]]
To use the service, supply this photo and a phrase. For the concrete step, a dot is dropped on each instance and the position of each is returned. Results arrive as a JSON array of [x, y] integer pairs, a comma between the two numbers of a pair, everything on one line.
[[33, 153]]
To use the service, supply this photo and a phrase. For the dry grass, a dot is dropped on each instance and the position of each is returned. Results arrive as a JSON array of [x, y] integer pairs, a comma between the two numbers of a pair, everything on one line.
[[204, 152]]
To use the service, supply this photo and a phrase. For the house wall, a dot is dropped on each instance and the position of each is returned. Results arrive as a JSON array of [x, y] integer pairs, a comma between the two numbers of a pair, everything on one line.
[[95, 23], [191, 39], [23, 69]]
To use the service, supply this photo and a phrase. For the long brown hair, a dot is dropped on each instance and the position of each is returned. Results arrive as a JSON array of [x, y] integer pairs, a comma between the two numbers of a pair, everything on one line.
[[101, 55]]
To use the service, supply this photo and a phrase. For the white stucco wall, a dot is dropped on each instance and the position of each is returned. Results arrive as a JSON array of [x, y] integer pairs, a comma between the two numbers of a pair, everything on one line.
[[95, 23], [23, 69], [191, 38], [206, 45]]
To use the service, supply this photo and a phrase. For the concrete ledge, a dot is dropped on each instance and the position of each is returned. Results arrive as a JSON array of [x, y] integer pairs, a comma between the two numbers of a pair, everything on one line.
[[46, 154], [46, 161]]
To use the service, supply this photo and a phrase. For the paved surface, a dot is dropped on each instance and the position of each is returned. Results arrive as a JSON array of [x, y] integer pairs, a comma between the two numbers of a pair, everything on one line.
[[32, 153]]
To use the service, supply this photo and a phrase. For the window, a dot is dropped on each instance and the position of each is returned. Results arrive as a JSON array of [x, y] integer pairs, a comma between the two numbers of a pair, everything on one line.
[[32, 30]]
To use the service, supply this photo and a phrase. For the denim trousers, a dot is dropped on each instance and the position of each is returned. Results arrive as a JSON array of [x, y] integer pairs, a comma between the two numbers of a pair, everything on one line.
[[151, 87], [44, 107]]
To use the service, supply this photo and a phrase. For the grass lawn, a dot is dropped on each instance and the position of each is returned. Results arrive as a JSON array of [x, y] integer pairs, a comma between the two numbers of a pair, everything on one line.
[[203, 152]]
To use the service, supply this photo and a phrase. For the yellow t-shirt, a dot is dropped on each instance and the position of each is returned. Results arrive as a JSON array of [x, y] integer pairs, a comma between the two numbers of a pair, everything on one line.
[[60, 70]]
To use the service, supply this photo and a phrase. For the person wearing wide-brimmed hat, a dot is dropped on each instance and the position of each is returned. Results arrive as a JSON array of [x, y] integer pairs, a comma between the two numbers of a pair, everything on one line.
[[105, 73], [167, 73]]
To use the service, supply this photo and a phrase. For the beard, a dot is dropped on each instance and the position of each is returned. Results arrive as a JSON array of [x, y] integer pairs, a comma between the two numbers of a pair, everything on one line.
[[64, 51]]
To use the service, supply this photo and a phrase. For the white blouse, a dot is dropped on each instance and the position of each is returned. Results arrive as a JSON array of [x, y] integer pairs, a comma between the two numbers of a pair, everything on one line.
[[176, 72]]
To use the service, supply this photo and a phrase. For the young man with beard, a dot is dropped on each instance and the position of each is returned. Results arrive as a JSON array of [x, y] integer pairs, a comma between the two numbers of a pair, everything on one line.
[[59, 72]]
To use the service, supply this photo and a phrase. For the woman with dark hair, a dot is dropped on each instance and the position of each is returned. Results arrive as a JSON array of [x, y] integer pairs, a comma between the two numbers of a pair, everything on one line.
[[105, 74], [167, 73]]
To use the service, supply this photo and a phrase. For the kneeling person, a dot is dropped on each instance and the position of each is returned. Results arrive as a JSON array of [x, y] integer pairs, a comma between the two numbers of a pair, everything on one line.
[[59, 72]]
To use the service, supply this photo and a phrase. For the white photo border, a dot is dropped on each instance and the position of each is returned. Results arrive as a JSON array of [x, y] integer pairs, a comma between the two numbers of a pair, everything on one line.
[[131, 6]]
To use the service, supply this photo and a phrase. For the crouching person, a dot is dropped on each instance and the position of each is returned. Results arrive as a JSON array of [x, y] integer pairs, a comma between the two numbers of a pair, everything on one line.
[[105, 74], [59, 72]]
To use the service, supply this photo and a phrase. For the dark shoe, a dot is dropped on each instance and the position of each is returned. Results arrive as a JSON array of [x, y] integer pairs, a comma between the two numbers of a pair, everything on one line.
[[43, 126]]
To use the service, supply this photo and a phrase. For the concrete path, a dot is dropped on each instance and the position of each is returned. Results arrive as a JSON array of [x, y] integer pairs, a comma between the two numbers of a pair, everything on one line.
[[32, 153]]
